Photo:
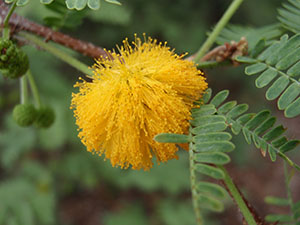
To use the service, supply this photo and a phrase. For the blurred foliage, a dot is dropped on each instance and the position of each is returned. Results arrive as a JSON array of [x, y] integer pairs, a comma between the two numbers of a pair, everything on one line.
[[131, 215], [12, 151], [62, 16], [41, 169], [176, 214], [252, 35], [28, 198]]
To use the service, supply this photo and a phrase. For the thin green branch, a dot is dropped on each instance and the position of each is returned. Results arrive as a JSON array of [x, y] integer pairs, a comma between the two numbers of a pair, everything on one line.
[[212, 64], [238, 198], [283, 74], [193, 186], [218, 28], [287, 159], [287, 181], [34, 89], [23, 90], [58, 53], [6, 29], [282, 155]]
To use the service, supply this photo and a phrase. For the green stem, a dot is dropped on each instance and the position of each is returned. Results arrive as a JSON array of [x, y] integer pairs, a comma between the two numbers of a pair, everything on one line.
[[34, 89], [288, 160], [287, 180], [6, 29], [212, 64], [238, 198], [23, 89], [193, 186], [59, 54], [218, 28]]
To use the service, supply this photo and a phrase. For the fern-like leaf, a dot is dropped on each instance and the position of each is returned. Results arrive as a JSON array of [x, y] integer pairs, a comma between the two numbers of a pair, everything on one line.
[[71, 4], [292, 218], [294, 215], [208, 143], [258, 128], [19, 2], [81, 4], [289, 15], [253, 35], [280, 63], [64, 17]]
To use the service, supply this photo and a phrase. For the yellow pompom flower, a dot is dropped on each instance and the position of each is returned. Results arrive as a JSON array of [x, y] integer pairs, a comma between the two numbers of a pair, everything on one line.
[[144, 90]]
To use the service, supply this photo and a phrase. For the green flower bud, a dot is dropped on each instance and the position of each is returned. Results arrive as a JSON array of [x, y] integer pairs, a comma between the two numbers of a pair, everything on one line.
[[24, 114], [13, 61], [3, 58], [45, 117]]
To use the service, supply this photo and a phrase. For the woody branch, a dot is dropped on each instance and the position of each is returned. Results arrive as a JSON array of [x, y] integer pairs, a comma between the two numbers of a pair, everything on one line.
[[20, 23]]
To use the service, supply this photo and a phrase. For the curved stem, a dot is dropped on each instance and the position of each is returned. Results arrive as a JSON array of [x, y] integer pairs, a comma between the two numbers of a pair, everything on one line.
[[238, 198], [6, 29], [288, 160], [23, 90], [193, 186], [34, 88], [22, 24], [287, 179], [218, 28], [58, 53], [212, 64]]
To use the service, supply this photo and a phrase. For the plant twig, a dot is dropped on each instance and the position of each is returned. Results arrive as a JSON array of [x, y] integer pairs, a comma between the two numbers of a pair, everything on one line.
[[34, 88], [228, 51], [193, 187], [58, 53], [259, 220], [23, 90], [212, 64], [20, 23], [6, 30], [288, 176], [238, 199], [223, 53], [218, 28]]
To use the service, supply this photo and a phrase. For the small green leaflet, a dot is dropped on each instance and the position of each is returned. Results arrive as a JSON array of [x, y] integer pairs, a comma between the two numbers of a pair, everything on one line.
[[19, 2], [71, 4], [92, 4]]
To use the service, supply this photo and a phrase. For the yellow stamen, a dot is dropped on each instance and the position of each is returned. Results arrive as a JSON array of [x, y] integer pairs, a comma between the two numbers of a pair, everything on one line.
[[146, 90]]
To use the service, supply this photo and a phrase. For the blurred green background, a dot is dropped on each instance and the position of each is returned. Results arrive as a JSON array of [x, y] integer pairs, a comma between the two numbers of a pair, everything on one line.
[[47, 177]]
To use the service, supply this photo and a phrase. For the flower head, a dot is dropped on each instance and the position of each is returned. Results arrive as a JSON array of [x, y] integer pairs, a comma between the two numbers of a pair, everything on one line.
[[143, 90]]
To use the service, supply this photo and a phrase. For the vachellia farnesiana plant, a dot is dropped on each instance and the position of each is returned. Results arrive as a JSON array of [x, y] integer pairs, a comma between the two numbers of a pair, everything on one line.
[[142, 99]]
